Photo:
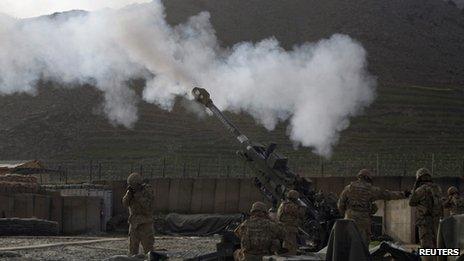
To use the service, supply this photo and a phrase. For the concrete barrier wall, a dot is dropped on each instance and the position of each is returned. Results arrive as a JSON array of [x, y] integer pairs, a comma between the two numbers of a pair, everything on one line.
[[6, 206], [74, 214], [201, 195], [25, 206], [56, 209], [398, 221], [81, 214], [198, 195], [233, 195]]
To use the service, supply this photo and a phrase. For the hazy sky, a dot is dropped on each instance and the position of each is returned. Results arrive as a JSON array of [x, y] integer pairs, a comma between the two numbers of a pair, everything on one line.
[[31, 8]]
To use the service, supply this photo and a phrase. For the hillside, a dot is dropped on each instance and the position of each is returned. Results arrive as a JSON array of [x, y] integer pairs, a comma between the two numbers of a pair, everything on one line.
[[416, 41], [415, 49], [458, 3]]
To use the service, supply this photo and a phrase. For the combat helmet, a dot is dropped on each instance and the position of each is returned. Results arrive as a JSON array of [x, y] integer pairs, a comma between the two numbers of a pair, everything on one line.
[[258, 207], [293, 194], [134, 179], [365, 174], [423, 174], [452, 190]]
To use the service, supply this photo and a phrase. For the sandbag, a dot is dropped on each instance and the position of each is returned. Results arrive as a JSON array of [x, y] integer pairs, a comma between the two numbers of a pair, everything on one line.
[[10, 187], [18, 178], [28, 227]]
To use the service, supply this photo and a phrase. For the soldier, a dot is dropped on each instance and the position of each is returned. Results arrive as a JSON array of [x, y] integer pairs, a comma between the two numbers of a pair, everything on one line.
[[259, 236], [139, 200], [454, 202], [291, 215], [357, 202], [426, 198]]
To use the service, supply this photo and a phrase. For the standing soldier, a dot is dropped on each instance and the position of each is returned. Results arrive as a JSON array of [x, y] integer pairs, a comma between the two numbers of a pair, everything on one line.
[[139, 200], [356, 202], [259, 236], [291, 215], [426, 198], [454, 202]]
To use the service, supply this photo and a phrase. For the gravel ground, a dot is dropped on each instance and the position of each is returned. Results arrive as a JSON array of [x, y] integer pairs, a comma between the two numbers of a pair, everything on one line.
[[177, 248]]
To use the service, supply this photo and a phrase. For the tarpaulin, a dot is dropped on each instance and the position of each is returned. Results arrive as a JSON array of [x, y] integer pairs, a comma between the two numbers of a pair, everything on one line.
[[345, 243], [199, 224], [451, 235]]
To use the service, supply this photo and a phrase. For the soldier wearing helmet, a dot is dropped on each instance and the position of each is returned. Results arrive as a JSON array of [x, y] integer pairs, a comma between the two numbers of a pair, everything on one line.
[[426, 197], [259, 236], [454, 202], [139, 200], [291, 214], [357, 199]]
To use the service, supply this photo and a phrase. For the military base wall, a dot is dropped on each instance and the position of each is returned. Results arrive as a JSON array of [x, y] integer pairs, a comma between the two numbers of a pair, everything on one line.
[[234, 195], [74, 214], [85, 213]]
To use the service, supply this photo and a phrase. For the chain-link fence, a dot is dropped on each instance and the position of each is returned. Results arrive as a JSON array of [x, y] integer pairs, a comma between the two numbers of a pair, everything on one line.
[[381, 164]]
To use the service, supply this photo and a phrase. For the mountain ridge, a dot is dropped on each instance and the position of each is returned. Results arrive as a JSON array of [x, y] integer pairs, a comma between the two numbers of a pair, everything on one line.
[[414, 48]]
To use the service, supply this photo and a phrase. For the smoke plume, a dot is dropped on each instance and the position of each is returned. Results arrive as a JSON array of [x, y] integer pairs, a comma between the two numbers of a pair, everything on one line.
[[316, 87]]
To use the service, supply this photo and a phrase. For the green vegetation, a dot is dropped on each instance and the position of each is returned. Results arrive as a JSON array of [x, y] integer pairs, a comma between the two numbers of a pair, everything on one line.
[[407, 127]]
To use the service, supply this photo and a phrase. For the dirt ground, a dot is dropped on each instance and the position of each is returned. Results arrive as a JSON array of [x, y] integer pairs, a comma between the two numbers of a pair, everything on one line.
[[177, 248]]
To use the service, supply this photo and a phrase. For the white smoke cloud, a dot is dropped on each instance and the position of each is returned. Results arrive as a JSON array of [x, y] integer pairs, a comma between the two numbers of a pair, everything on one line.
[[315, 86]]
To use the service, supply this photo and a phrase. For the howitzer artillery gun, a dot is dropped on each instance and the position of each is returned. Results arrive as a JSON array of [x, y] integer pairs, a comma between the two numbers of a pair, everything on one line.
[[273, 178]]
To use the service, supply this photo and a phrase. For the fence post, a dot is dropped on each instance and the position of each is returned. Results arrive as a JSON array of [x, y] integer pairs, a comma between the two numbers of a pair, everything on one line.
[[462, 169], [164, 167], [183, 169], [90, 171], [66, 176], [141, 169], [218, 170], [378, 165], [99, 171], [59, 169], [151, 171], [433, 163], [199, 168], [404, 167]]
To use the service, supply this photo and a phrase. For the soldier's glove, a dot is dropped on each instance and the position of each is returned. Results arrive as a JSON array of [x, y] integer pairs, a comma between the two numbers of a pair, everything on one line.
[[130, 189], [407, 193]]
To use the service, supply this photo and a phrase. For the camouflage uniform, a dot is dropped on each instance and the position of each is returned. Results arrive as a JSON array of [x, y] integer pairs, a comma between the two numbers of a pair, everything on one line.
[[139, 200], [291, 214], [454, 202], [259, 236], [426, 198], [357, 202]]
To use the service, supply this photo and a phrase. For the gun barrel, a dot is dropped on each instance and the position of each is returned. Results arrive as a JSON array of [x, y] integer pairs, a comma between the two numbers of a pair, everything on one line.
[[202, 96]]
